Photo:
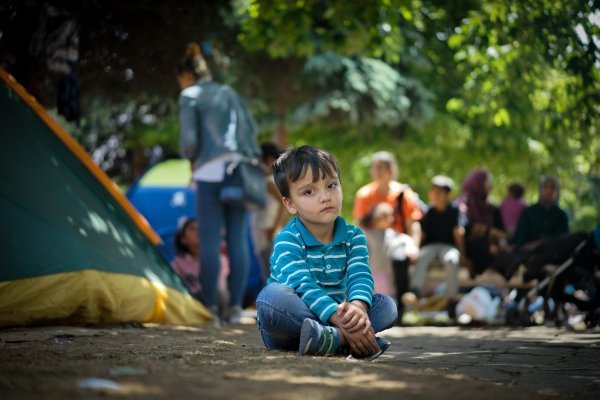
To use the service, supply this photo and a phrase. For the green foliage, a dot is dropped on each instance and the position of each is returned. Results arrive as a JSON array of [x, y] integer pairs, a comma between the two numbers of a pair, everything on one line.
[[445, 146], [512, 85], [114, 134], [303, 28], [515, 83], [531, 73], [361, 91]]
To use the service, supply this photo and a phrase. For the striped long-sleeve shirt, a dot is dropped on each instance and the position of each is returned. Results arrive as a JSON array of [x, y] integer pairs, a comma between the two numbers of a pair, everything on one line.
[[323, 274]]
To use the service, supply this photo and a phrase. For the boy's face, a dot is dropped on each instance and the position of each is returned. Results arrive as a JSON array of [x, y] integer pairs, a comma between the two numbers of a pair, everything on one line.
[[438, 197], [317, 203]]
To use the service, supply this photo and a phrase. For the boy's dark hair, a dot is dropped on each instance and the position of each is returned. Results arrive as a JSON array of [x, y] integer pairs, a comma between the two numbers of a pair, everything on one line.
[[294, 163], [516, 190], [270, 149]]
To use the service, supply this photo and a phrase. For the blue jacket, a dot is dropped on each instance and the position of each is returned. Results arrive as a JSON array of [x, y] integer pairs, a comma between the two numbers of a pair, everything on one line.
[[215, 120]]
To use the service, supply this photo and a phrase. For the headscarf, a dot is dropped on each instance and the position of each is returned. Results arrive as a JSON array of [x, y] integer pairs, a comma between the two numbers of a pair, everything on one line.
[[474, 200], [543, 180]]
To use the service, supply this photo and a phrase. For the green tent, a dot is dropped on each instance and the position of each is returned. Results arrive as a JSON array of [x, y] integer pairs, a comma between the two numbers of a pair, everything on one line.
[[73, 249]]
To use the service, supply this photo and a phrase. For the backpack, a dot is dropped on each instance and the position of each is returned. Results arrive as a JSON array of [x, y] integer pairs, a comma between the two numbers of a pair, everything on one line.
[[399, 212]]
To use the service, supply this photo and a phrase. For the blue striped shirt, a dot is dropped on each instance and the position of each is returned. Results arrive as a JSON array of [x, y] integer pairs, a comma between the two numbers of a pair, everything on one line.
[[323, 274]]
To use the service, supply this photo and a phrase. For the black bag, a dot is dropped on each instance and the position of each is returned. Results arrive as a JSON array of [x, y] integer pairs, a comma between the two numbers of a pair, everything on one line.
[[244, 185]]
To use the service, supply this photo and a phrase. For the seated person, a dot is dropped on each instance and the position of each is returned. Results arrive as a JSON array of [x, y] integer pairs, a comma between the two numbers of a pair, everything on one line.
[[386, 246], [186, 263], [485, 237], [442, 237], [511, 207], [542, 220]]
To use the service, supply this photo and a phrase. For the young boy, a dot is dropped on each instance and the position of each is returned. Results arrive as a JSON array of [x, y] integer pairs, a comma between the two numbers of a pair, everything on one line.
[[319, 299], [442, 238]]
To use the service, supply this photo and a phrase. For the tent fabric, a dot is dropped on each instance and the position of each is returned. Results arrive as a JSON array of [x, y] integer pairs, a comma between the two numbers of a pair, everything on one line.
[[65, 226], [92, 296], [174, 172]]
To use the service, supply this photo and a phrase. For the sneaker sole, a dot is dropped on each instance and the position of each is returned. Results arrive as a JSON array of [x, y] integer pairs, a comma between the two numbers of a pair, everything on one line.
[[306, 347], [305, 337], [384, 345]]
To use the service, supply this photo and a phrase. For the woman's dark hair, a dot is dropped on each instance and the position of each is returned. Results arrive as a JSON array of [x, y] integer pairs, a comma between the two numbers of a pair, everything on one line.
[[181, 248], [295, 162], [193, 62]]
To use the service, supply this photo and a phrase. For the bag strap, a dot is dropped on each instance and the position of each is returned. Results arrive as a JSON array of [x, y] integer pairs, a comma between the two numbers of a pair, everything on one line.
[[399, 203], [236, 159]]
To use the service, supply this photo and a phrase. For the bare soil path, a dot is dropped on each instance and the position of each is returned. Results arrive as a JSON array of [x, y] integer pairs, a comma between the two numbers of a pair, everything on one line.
[[163, 362]]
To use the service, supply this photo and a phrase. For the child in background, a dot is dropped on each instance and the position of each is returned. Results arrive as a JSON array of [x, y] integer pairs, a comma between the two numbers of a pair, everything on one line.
[[186, 263], [511, 207], [319, 299], [388, 246], [443, 238]]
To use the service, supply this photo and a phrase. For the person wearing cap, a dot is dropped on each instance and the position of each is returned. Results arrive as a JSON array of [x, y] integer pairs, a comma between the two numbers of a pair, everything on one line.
[[442, 238]]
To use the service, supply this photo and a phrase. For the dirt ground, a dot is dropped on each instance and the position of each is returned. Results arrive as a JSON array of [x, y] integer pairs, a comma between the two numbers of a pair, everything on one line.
[[151, 361]]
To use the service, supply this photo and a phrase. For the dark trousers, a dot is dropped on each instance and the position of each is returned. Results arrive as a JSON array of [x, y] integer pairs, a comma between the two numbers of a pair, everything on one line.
[[402, 283]]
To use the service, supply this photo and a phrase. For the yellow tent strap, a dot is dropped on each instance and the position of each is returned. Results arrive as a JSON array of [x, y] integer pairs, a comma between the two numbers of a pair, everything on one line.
[[82, 155]]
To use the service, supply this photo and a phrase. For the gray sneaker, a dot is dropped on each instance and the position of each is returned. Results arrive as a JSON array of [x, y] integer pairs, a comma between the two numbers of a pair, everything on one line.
[[214, 313], [317, 339], [233, 315]]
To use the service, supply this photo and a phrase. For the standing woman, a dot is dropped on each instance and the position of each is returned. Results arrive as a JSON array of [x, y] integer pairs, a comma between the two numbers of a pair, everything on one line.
[[386, 189], [216, 127]]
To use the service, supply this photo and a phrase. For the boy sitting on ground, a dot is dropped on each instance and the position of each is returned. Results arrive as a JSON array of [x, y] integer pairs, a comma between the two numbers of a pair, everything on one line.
[[319, 299]]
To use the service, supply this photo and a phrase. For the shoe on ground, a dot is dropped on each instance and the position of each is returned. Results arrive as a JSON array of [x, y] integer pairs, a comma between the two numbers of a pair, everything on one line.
[[383, 346], [214, 313], [233, 315], [317, 339]]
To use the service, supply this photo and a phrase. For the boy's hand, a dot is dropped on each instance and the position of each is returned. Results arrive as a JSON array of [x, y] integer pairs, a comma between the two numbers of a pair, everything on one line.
[[354, 317], [360, 344]]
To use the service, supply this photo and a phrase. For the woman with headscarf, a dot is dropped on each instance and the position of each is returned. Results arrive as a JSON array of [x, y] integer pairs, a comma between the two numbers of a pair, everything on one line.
[[542, 220], [483, 222]]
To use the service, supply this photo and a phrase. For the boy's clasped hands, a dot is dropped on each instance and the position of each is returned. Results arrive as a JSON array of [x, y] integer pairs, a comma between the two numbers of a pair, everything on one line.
[[354, 323]]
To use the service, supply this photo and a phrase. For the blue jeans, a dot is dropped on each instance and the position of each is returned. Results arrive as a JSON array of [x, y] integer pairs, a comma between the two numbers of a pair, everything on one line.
[[212, 217], [281, 313]]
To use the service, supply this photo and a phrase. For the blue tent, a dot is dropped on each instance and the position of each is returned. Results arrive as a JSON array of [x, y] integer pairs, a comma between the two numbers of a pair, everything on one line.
[[163, 195]]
